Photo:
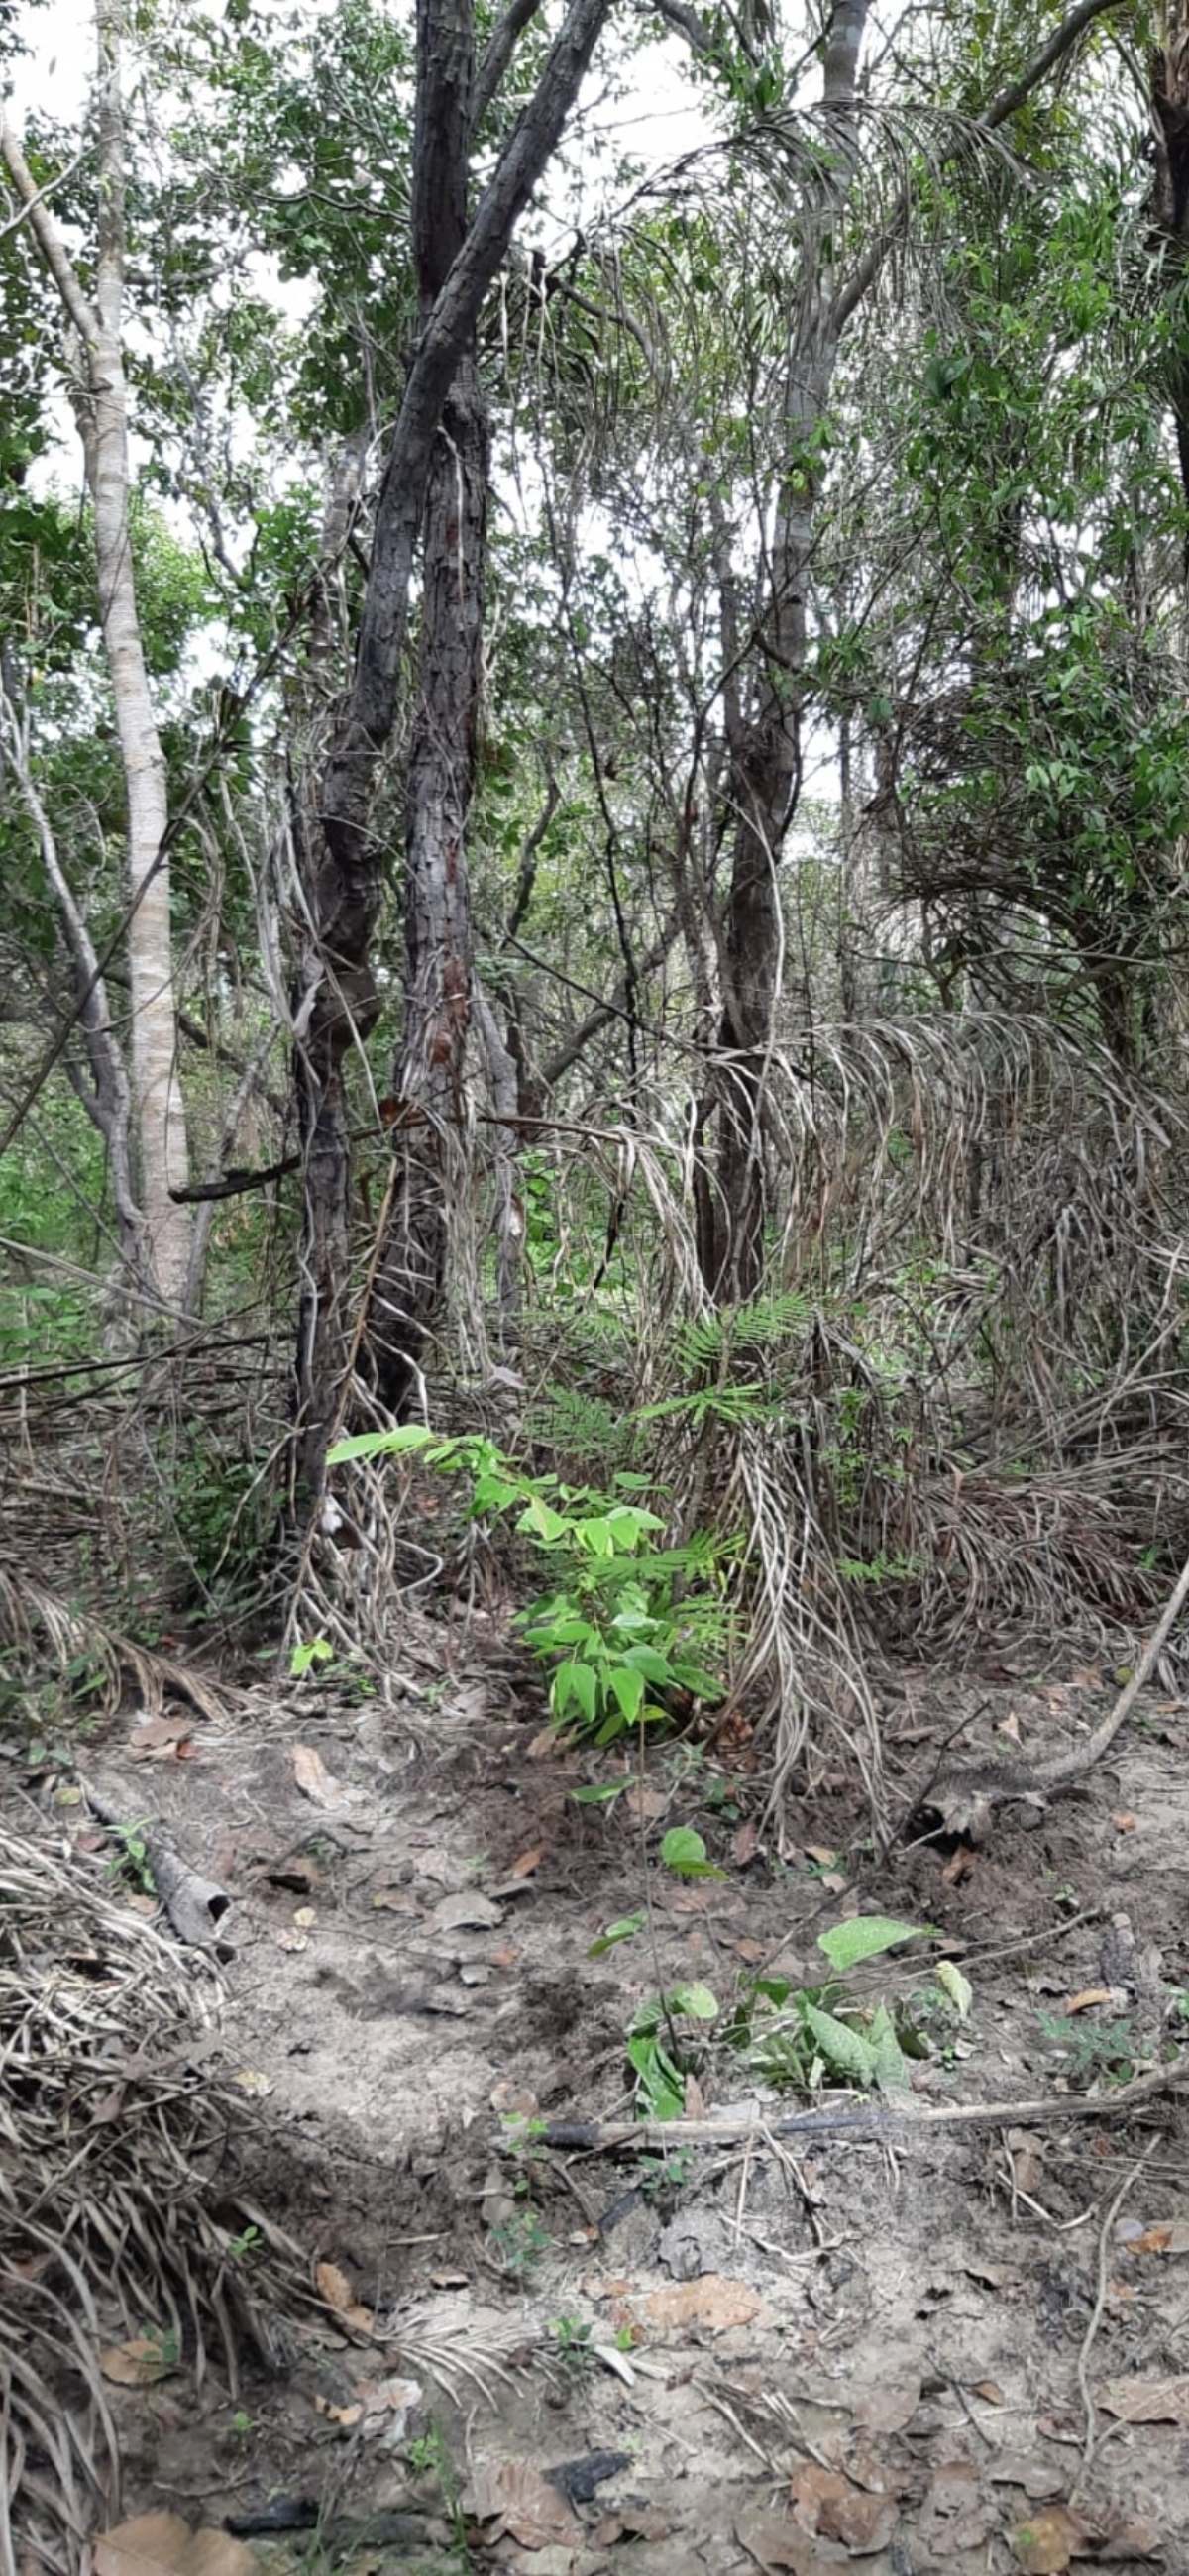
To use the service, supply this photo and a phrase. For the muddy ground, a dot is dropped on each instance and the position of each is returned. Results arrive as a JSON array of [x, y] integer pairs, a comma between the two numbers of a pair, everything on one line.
[[953, 2352]]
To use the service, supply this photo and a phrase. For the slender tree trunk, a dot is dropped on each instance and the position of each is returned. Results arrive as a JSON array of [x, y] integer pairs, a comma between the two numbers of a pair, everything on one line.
[[764, 732], [161, 1122], [101, 407], [104, 1089], [339, 1000], [428, 1072], [1170, 196]]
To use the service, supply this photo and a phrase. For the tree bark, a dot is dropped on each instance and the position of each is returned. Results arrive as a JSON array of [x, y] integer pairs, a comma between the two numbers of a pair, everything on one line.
[[101, 408], [340, 997], [764, 727]]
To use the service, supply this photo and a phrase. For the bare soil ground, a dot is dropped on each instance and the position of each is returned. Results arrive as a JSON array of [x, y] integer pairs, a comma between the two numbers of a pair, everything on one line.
[[955, 2352]]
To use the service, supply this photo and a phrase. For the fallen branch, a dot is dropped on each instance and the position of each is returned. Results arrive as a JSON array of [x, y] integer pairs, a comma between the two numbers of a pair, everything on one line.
[[195, 1905], [903, 2121], [963, 1798]]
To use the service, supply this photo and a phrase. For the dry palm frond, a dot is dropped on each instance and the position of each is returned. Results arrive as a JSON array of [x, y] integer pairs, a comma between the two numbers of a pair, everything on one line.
[[35, 1623], [111, 2130]]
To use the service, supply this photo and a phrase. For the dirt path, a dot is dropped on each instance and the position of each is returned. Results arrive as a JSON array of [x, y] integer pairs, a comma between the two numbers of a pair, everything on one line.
[[964, 2355]]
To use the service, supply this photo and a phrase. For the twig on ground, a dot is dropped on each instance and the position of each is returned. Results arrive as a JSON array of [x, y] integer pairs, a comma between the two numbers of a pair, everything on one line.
[[1104, 2250]]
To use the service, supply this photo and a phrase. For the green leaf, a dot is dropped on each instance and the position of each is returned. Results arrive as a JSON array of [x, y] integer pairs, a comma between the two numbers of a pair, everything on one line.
[[575, 1681], [696, 2000], [623, 1930], [377, 1444], [864, 1936], [662, 2093], [891, 2069], [645, 1659], [684, 1852], [599, 1794], [844, 2050], [541, 1517], [316, 1650], [958, 1988], [628, 1686]]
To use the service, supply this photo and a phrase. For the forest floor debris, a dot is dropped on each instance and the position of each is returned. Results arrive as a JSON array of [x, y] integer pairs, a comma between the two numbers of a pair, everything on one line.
[[775, 2352]]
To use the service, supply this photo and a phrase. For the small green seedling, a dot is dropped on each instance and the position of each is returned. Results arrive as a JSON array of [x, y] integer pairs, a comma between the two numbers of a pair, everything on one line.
[[314, 1650]]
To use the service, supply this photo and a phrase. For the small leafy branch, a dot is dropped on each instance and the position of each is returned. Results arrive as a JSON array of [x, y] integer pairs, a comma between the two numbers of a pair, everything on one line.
[[626, 1621], [801, 2038], [797, 2038]]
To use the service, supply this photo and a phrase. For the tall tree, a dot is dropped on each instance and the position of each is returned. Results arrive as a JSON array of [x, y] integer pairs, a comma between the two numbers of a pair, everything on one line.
[[348, 873], [99, 393]]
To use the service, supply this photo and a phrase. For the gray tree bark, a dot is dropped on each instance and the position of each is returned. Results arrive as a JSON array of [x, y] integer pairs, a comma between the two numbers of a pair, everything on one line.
[[101, 408], [420, 488]]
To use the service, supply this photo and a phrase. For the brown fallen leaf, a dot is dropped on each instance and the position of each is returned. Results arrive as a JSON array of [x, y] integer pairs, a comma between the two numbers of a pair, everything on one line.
[[711, 2302], [528, 1862], [437, 1865], [1022, 2469], [1170, 2237], [346, 2417], [468, 1912], [956, 2514], [161, 2544], [828, 2505], [141, 2361], [160, 1739], [775, 2541], [645, 1803], [1147, 2400], [887, 2404], [333, 2286], [518, 2499], [960, 1865], [745, 1842], [1089, 1996], [381, 2397], [512, 2100], [1045, 2543], [313, 1778], [1123, 1820]]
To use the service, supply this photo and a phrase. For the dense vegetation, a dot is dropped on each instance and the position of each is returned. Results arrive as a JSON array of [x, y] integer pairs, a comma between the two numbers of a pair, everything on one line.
[[593, 835]]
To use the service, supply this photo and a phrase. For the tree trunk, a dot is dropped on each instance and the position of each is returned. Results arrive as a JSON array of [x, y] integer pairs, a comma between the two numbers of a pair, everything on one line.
[[1170, 199], [428, 1072], [101, 408], [339, 997], [161, 1123], [764, 736]]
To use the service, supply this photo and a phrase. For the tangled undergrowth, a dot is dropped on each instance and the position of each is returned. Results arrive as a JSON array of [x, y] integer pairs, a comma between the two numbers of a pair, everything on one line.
[[114, 2145]]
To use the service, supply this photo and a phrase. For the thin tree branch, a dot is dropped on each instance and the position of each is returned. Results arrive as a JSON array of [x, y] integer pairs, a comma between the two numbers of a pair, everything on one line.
[[498, 56], [46, 234], [526, 874]]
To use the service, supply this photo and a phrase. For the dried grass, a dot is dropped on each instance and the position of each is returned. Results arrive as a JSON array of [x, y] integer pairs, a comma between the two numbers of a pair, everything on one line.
[[111, 2131]]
